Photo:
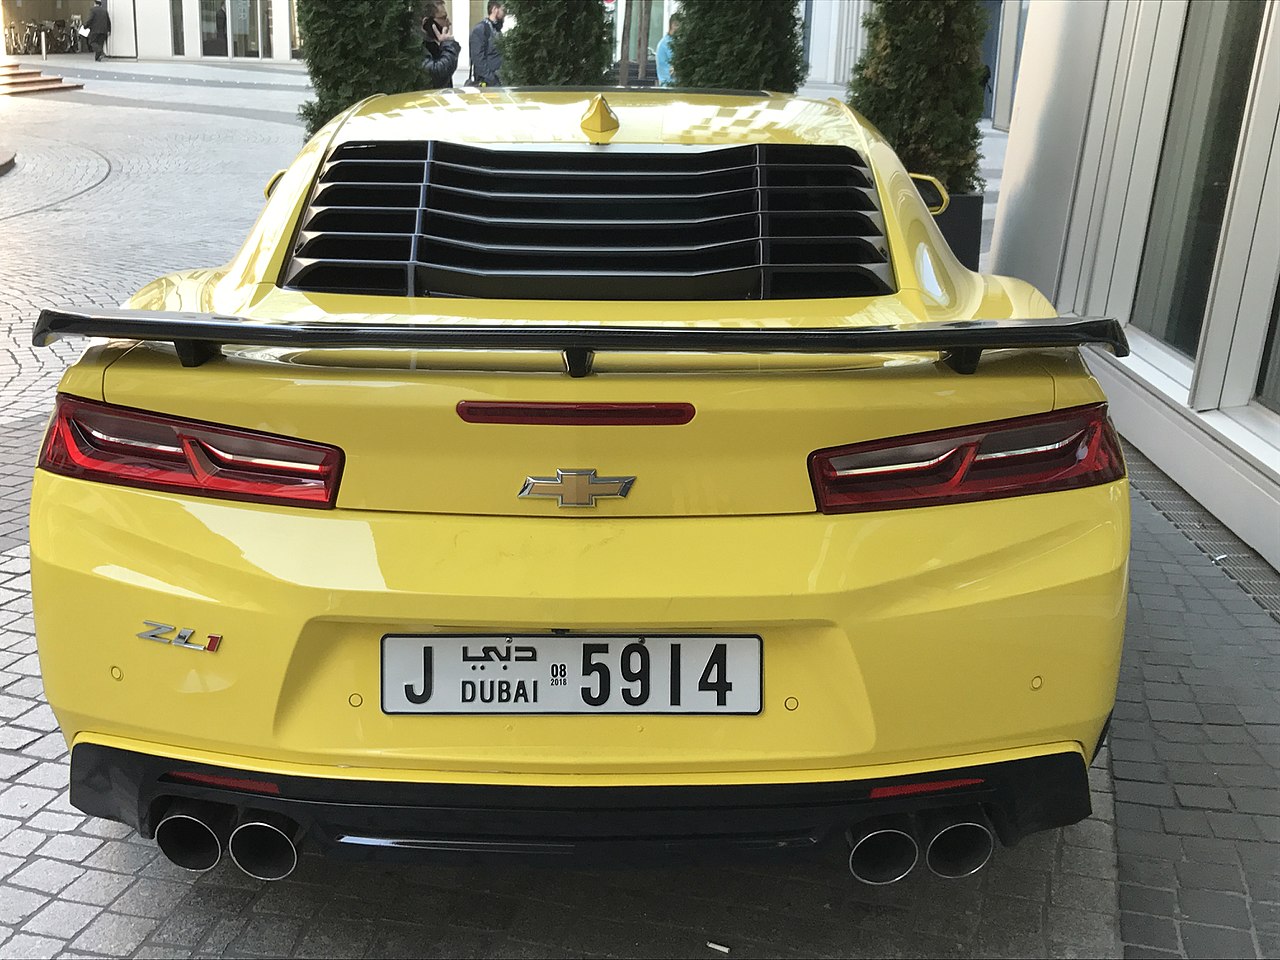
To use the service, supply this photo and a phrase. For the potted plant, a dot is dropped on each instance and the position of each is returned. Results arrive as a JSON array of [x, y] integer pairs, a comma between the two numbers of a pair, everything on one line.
[[353, 57], [557, 43], [747, 45], [920, 81]]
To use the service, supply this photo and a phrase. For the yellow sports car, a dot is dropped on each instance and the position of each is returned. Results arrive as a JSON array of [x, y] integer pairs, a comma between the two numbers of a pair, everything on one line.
[[566, 472]]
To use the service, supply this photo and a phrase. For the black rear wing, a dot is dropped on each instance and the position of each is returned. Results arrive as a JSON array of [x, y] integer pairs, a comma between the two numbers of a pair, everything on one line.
[[199, 337]]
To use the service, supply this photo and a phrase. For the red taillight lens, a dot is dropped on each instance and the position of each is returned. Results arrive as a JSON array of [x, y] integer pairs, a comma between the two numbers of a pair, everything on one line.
[[914, 789], [98, 441], [1007, 458], [576, 414], [228, 783]]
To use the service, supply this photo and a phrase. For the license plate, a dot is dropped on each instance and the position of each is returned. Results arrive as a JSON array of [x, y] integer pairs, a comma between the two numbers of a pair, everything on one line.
[[580, 674]]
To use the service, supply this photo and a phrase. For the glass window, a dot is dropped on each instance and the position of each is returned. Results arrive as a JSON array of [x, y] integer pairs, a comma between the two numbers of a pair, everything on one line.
[[295, 38], [175, 24], [244, 28], [266, 27], [213, 28], [1203, 130], [1269, 376], [806, 35]]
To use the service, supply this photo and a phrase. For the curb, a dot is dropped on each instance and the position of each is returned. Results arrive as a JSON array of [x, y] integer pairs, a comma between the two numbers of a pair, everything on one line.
[[7, 158]]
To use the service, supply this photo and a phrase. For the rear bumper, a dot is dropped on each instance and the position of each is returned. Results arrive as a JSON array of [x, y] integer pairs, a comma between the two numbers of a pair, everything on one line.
[[901, 638], [371, 819]]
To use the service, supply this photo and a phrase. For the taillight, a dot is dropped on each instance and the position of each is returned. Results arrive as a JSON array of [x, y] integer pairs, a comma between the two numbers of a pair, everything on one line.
[[1006, 458], [98, 441], [576, 414]]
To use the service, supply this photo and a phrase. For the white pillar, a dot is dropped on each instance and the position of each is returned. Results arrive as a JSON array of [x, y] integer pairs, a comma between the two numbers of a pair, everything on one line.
[[192, 38], [1006, 64], [281, 39], [1042, 163], [460, 17]]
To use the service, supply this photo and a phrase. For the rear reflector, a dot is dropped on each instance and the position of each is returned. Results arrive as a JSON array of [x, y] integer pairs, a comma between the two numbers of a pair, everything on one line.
[[912, 789], [228, 783], [1006, 458], [110, 444], [576, 414]]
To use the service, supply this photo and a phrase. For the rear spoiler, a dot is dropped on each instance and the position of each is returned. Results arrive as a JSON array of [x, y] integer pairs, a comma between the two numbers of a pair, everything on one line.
[[199, 337]]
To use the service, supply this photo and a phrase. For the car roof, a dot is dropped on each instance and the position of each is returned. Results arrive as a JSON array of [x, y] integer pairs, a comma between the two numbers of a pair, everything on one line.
[[654, 115]]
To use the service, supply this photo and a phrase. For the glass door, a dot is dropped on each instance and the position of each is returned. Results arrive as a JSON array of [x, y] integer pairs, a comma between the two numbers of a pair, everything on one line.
[[213, 28], [245, 29]]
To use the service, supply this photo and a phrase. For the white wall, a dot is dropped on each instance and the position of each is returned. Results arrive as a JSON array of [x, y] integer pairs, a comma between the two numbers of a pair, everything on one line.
[[155, 39], [121, 41]]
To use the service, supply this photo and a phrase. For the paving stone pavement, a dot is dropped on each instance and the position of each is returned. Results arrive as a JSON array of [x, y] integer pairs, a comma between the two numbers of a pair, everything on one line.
[[108, 195], [103, 199], [1195, 744]]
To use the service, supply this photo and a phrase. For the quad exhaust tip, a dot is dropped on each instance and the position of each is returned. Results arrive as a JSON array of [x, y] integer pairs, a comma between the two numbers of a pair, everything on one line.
[[191, 834], [883, 850], [957, 842], [264, 845], [960, 844]]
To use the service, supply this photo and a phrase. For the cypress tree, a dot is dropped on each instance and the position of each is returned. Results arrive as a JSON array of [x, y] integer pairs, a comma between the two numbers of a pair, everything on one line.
[[557, 43], [356, 48], [920, 82], [744, 45]]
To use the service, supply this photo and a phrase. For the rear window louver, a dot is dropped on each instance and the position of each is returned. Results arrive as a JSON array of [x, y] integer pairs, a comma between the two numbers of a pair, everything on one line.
[[419, 218]]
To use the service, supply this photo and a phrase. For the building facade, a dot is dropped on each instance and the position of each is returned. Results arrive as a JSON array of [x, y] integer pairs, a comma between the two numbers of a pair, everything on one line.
[[266, 30], [1142, 181]]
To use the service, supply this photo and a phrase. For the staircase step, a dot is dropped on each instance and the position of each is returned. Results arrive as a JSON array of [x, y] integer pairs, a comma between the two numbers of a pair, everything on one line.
[[27, 76], [16, 74], [50, 83]]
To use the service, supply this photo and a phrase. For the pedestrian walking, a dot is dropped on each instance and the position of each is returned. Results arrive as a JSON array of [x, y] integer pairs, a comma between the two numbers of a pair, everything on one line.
[[440, 59], [99, 26], [666, 77], [486, 55]]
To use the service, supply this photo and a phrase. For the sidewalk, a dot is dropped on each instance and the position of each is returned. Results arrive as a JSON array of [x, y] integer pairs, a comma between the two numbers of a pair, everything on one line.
[[1195, 741], [270, 92]]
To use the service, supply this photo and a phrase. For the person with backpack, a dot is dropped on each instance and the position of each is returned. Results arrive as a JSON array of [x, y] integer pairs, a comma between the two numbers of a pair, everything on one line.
[[486, 55]]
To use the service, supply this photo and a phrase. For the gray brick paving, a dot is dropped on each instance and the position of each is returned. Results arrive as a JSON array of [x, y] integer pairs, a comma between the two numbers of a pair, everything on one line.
[[1194, 758], [107, 195]]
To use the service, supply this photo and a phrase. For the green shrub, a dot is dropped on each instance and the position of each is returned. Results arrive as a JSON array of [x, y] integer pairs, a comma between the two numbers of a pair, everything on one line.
[[356, 48], [744, 45], [557, 43], [920, 82]]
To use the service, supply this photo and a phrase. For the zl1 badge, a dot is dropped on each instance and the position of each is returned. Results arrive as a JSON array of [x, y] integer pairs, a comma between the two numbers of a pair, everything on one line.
[[159, 632]]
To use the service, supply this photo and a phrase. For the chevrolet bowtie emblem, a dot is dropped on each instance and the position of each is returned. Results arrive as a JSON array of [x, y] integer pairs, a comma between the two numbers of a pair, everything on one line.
[[576, 488]]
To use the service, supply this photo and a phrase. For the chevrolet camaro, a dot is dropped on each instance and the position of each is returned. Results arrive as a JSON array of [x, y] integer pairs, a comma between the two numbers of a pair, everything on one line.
[[608, 473]]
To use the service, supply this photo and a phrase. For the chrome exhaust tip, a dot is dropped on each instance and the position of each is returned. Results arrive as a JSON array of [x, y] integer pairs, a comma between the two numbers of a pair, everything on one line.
[[264, 845], [882, 850], [191, 834], [960, 843]]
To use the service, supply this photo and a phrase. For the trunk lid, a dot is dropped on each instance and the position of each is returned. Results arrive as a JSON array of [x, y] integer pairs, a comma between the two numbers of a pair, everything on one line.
[[745, 450]]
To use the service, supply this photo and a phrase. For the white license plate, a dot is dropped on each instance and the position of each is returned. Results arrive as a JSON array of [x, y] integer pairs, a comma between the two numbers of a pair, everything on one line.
[[579, 674]]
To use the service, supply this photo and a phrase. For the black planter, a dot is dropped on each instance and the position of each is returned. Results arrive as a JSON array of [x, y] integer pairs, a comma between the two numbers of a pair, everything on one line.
[[961, 224]]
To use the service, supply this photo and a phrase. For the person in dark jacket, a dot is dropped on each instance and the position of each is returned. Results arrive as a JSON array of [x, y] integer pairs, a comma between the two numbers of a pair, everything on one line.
[[441, 50], [99, 27], [486, 55]]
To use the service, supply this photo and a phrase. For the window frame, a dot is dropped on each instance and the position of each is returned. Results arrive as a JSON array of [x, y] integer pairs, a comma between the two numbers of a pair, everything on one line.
[[1247, 268]]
